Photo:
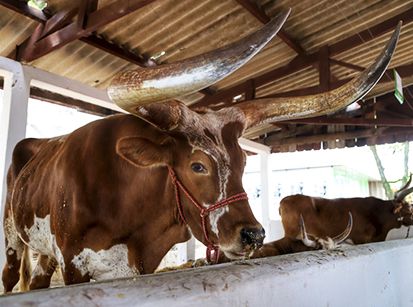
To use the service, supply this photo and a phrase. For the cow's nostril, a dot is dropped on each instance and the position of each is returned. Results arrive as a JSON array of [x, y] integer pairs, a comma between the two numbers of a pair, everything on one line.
[[252, 236]]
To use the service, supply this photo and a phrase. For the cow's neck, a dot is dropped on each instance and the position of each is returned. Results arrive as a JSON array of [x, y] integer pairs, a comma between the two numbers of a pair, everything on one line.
[[389, 220], [162, 233], [151, 256]]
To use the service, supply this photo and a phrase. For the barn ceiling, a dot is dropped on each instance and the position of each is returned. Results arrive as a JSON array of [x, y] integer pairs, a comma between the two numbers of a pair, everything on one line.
[[322, 45]]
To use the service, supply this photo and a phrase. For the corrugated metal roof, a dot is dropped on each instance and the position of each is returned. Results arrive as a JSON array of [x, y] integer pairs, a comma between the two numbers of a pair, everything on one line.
[[185, 28]]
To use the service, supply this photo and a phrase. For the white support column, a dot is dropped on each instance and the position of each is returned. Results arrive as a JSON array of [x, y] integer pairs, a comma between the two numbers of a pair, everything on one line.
[[265, 192], [264, 152], [13, 119]]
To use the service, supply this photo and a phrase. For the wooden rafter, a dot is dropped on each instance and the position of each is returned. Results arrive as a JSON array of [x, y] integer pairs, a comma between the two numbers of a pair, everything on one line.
[[403, 70], [258, 13], [385, 119], [88, 20], [365, 133], [301, 62], [93, 39], [345, 64], [393, 122]]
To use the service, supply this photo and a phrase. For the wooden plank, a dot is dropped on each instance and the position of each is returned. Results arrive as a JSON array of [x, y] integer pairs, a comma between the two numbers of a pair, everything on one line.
[[324, 69]]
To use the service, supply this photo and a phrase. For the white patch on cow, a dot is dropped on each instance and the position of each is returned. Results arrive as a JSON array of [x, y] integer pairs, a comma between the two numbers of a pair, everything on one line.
[[38, 271], [13, 240], [11, 233], [105, 264], [214, 217], [42, 240]]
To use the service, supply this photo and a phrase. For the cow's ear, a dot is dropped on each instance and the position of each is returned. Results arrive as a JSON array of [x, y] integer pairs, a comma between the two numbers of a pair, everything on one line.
[[143, 152]]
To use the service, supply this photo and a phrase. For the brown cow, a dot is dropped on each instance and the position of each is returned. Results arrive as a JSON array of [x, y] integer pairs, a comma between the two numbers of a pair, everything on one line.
[[302, 243], [279, 247], [111, 198], [373, 217]]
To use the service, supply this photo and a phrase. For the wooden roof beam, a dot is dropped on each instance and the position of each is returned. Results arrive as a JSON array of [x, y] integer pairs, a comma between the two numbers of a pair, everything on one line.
[[93, 40], [301, 62], [310, 139], [394, 122], [88, 21], [258, 13], [349, 135]]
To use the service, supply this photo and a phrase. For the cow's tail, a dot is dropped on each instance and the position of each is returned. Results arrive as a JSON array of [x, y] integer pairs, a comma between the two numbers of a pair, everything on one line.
[[25, 270]]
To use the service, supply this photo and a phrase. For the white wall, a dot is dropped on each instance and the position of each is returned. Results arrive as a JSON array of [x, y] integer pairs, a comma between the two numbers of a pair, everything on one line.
[[368, 275]]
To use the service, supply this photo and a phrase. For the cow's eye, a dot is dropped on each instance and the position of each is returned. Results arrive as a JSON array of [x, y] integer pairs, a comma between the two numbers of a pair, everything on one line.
[[198, 168]]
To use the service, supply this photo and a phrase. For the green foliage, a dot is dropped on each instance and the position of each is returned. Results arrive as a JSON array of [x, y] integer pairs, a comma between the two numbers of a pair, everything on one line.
[[398, 148], [37, 4]]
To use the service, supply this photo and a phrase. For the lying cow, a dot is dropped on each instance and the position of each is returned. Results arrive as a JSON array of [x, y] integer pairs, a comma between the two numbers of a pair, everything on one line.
[[111, 198], [279, 247], [303, 242], [373, 217]]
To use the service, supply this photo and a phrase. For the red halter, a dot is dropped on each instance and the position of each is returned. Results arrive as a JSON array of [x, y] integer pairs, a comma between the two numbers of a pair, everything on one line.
[[212, 252]]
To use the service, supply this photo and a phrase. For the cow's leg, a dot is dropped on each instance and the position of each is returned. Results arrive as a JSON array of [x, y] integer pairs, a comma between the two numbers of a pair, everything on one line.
[[14, 252], [43, 272], [71, 275]]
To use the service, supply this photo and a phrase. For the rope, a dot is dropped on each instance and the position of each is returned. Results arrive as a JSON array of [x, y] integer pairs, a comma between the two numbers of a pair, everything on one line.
[[212, 252]]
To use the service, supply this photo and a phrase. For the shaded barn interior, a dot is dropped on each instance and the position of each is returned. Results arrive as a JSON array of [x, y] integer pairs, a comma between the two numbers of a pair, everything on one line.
[[322, 45]]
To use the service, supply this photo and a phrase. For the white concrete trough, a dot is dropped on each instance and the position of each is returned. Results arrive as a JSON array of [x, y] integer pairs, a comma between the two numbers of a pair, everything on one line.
[[377, 274]]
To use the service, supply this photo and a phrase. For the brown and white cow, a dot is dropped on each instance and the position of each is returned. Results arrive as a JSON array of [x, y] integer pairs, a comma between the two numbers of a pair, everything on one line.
[[111, 198], [373, 218]]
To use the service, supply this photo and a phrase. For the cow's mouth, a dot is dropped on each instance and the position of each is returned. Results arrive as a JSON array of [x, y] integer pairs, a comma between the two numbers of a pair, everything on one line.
[[236, 254]]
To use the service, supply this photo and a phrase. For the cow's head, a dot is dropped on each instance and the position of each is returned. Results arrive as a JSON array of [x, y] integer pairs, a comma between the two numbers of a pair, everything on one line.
[[402, 209], [201, 146]]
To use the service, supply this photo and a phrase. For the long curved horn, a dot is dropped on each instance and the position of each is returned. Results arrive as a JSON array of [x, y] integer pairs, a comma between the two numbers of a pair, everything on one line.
[[304, 236], [344, 235], [134, 88], [260, 111], [404, 191], [402, 194]]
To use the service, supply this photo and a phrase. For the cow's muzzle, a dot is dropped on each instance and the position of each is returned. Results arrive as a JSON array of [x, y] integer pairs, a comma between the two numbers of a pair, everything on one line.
[[252, 237]]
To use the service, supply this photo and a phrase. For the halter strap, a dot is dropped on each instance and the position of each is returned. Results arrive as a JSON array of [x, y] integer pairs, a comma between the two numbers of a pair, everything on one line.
[[212, 252]]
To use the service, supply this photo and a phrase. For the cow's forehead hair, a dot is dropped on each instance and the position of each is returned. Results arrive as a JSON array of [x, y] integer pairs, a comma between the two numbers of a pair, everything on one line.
[[205, 133]]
